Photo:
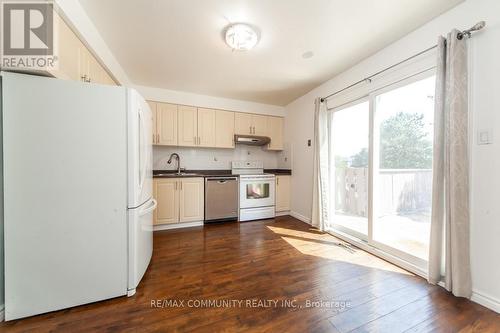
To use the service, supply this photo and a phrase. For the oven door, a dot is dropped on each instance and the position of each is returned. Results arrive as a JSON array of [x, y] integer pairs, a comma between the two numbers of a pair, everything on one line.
[[258, 192]]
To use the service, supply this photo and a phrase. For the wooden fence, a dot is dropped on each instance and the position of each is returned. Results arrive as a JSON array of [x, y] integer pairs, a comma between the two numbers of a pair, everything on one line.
[[399, 191]]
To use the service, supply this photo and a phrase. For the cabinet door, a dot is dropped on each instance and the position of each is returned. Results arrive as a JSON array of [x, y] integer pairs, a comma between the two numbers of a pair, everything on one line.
[[166, 124], [242, 123], [259, 124], [206, 127], [69, 48], [96, 72], [224, 129], [275, 132], [166, 193], [83, 62], [192, 199], [152, 106], [187, 126], [282, 193]]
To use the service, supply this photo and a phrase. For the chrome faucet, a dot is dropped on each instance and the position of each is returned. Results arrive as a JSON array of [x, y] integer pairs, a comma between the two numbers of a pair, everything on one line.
[[178, 161]]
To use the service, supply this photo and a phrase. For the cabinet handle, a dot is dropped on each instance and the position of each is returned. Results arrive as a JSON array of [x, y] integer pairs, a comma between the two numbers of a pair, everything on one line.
[[175, 188], [277, 181], [250, 129], [84, 78], [180, 184], [154, 138], [157, 138]]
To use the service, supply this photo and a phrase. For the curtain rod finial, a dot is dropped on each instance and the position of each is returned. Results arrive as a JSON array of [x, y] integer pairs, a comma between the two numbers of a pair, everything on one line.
[[478, 26]]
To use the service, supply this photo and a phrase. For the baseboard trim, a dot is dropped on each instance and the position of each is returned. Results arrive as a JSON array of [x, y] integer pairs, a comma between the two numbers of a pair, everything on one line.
[[177, 225], [284, 213], [300, 217], [486, 301]]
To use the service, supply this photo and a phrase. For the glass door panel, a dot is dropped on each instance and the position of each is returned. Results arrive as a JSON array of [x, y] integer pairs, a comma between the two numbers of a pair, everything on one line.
[[402, 174], [349, 168]]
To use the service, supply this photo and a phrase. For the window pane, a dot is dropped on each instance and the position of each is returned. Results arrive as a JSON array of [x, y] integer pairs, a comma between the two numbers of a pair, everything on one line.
[[350, 180], [403, 177]]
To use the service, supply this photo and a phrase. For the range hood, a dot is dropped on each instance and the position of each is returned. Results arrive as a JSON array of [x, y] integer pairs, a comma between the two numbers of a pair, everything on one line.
[[251, 140]]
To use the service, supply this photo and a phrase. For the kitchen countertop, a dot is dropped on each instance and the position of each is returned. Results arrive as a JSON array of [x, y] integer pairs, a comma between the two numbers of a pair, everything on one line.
[[210, 173]]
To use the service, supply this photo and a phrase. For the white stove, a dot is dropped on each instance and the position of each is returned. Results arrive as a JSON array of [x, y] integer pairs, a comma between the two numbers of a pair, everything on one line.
[[257, 190]]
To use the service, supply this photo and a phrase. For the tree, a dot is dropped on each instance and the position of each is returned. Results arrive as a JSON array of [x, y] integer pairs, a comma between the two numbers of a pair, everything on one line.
[[404, 143], [360, 160]]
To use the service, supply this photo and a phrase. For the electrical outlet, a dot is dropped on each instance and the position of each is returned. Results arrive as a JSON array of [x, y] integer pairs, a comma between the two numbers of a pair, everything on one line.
[[485, 137]]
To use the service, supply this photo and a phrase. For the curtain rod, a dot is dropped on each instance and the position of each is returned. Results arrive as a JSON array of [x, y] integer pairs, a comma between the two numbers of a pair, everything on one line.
[[466, 33]]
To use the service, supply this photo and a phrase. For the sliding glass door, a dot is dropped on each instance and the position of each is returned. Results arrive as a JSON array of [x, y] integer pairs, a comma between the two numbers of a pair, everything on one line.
[[381, 168], [402, 174], [349, 168]]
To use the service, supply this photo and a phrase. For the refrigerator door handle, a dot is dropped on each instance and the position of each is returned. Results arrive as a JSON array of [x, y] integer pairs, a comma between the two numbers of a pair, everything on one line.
[[142, 131], [151, 208]]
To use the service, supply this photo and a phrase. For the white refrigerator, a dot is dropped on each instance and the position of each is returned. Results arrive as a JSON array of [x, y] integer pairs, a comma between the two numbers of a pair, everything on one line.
[[77, 176]]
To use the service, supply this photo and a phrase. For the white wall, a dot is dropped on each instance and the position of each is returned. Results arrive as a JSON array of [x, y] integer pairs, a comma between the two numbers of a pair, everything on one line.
[[485, 109], [186, 98]]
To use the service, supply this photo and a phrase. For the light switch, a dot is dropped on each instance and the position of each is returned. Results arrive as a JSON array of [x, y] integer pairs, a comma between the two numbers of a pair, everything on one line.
[[485, 137]]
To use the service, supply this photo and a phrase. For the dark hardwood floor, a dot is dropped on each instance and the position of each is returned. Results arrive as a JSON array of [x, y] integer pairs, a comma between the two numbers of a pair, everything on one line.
[[317, 286]]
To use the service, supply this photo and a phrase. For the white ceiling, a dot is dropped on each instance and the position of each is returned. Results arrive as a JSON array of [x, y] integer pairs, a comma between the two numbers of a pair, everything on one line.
[[178, 44]]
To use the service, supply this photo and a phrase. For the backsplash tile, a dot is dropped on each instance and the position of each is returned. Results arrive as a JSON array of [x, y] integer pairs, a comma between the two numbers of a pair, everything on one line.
[[213, 159]]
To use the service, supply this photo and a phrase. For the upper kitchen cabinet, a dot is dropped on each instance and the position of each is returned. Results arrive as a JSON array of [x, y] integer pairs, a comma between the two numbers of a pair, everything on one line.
[[206, 127], [252, 124], [224, 129], [187, 126], [259, 124], [166, 124], [275, 132], [69, 52], [76, 62], [242, 123]]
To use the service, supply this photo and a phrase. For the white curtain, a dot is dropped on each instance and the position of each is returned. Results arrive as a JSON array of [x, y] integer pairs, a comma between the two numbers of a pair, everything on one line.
[[449, 258], [320, 180]]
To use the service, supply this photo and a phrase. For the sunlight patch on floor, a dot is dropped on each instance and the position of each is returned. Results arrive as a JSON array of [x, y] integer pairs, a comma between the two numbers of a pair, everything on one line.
[[324, 245]]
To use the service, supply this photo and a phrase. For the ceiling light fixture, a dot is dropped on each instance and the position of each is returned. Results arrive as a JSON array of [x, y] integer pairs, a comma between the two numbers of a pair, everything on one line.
[[241, 37]]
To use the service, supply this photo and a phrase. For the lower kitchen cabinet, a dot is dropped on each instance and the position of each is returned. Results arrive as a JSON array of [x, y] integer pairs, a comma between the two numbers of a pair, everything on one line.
[[165, 191], [282, 193], [179, 200], [192, 199]]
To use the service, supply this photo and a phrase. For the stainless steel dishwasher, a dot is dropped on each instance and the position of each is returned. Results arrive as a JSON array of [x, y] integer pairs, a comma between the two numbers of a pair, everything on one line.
[[221, 198]]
